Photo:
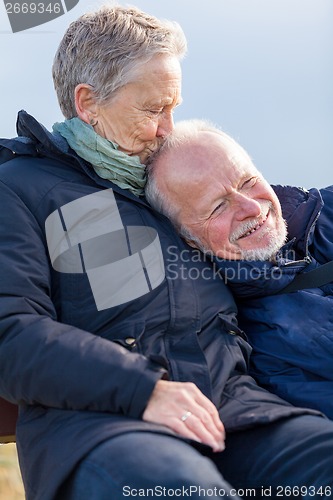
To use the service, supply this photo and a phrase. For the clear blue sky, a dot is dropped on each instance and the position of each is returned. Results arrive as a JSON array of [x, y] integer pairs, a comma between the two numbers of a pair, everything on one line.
[[260, 69]]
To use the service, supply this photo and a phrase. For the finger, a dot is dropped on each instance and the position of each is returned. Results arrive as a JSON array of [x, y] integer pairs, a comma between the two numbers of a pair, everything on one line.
[[190, 397], [211, 420], [173, 418], [206, 403], [217, 420], [171, 400], [205, 431], [196, 432], [209, 415]]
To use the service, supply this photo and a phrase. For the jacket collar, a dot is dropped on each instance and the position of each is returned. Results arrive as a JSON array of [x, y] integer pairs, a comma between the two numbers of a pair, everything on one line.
[[301, 209], [35, 140]]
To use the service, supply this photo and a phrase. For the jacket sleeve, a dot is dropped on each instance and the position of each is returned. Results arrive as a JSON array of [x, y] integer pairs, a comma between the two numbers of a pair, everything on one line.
[[321, 246], [46, 362], [293, 384], [279, 326]]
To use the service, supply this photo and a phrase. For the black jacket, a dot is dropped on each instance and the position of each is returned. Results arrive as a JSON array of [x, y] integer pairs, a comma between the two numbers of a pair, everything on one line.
[[98, 299]]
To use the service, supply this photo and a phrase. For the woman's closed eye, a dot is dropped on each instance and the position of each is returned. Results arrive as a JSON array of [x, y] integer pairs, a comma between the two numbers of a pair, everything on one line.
[[155, 112]]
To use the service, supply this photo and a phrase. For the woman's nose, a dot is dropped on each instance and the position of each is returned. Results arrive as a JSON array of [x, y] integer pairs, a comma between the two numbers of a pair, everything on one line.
[[165, 125]]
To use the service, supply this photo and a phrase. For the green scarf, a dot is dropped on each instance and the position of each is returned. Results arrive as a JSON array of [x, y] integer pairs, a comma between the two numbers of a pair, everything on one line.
[[109, 163]]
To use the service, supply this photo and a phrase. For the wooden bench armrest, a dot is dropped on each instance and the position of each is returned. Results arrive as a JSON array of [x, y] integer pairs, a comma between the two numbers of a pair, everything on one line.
[[8, 418]]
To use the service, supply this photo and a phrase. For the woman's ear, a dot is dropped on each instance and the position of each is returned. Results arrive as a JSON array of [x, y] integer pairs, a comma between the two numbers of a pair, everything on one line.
[[85, 103]]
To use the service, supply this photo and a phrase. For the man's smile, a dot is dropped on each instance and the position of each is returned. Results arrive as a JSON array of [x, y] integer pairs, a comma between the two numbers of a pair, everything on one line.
[[254, 228]]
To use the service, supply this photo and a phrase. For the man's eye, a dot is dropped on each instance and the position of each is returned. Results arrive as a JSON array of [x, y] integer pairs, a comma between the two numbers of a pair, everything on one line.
[[249, 182], [219, 207]]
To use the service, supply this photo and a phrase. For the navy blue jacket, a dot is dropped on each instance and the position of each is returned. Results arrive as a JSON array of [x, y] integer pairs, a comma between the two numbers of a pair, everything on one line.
[[99, 298], [291, 334]]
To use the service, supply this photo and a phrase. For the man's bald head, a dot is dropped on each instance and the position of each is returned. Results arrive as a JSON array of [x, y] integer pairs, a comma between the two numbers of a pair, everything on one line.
[[209, 188]]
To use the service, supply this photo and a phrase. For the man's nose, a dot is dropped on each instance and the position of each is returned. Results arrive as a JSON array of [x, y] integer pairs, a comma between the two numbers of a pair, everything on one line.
[[247, 207], [165, 125]]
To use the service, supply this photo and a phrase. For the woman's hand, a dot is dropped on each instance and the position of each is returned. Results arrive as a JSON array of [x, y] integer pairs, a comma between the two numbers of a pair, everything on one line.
[[182, 407]]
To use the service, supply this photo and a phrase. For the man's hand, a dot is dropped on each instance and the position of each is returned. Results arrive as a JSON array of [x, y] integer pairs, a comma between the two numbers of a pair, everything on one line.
[[182, 407]]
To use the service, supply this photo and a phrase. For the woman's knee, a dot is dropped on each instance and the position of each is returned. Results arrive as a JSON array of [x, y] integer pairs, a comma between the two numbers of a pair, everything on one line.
[[148, 465]]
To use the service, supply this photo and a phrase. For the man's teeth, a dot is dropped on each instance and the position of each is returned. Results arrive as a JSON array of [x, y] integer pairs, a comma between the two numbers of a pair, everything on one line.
[[254, 229]]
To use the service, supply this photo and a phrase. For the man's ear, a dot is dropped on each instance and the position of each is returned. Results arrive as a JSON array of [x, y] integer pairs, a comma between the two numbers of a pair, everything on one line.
[[85, 103], [191, 243]]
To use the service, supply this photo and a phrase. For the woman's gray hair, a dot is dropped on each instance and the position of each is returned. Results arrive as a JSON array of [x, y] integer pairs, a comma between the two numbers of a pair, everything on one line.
[[105, 48]]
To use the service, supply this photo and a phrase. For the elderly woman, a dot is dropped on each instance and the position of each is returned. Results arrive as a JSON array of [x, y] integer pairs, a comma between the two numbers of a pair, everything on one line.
[[118, 344]]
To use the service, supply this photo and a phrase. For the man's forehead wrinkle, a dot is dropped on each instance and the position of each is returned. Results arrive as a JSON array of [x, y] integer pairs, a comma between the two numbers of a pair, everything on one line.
[[237, 161], [242, 162]]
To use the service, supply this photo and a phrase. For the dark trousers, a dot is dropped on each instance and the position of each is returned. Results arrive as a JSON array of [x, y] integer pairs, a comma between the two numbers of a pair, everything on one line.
[[291, 458]]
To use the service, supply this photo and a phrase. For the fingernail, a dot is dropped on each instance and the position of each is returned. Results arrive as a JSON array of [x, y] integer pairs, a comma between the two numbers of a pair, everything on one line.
[[219, 447]]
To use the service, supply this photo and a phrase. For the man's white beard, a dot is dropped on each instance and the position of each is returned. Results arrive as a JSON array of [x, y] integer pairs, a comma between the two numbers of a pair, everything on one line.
[[277, 238], [268, 252]]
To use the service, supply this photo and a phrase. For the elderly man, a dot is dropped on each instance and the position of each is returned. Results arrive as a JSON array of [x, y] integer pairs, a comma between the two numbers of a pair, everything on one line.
[[210, 189]]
